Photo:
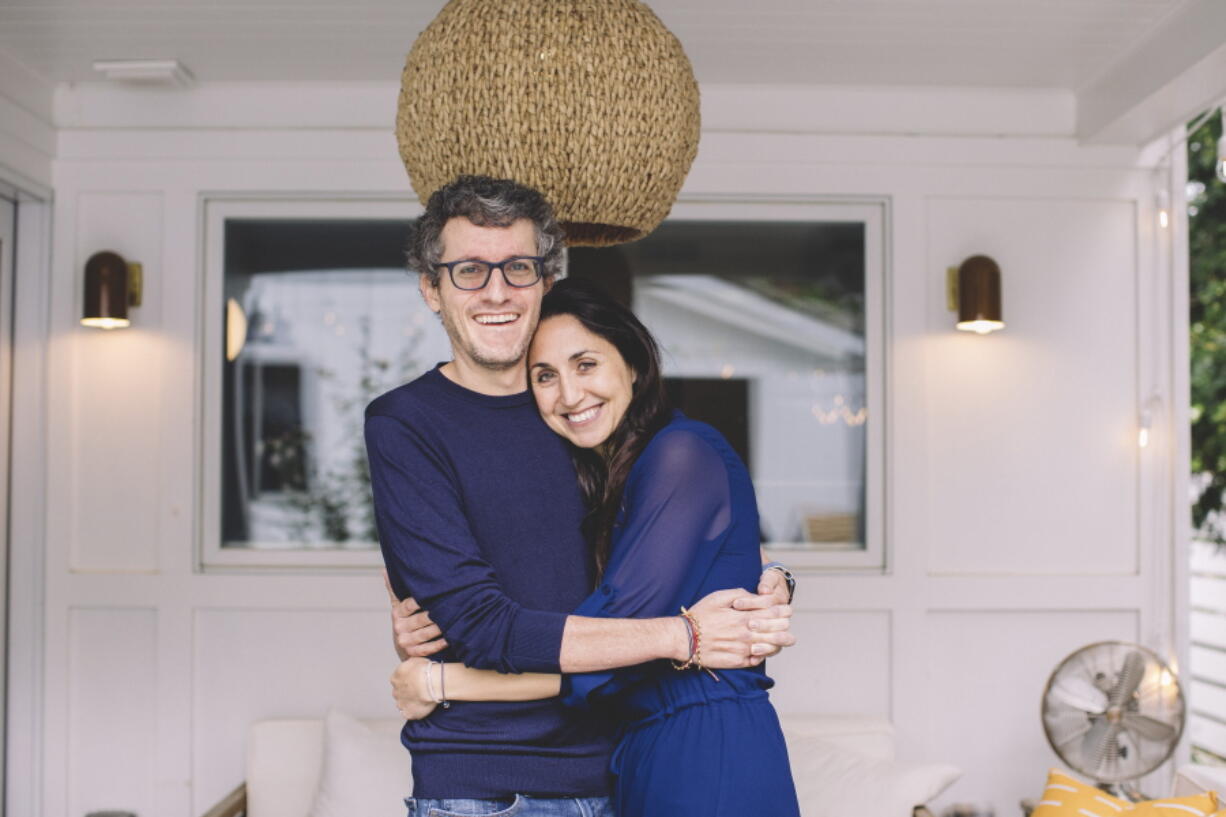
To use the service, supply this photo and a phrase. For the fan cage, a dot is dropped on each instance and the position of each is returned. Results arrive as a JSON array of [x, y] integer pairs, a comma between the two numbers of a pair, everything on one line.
[[1177, 706]]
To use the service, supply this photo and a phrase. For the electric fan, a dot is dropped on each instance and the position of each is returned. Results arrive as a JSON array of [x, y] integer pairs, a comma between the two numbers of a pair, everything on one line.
[[1114, 712]]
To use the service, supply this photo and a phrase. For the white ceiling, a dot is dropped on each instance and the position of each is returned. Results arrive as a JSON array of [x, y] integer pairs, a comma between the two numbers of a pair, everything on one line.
[[992, 43]]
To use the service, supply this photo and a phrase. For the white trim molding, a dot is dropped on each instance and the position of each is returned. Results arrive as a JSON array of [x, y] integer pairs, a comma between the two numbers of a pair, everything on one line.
[[27, 511]]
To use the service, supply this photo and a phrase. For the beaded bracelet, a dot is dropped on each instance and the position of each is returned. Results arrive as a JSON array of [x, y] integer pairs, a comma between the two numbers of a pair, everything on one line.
[[695, 632], [691, 639]]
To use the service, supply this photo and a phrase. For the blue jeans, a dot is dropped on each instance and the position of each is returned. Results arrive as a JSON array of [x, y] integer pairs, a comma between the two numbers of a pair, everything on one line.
[[519, 806]]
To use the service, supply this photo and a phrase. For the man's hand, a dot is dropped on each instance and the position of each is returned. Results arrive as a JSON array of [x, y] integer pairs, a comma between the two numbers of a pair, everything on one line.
[[773, 584], [414, 635], [740, 629]]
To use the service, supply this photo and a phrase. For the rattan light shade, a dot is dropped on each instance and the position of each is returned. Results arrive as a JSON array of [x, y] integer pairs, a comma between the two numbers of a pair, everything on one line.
[[592, 102]]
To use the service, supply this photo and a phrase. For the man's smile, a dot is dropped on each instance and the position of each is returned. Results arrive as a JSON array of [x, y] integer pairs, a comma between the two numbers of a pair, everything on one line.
[[496, 319]]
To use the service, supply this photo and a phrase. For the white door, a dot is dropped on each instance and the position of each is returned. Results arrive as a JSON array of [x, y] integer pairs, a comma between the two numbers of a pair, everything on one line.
[[7, 254]]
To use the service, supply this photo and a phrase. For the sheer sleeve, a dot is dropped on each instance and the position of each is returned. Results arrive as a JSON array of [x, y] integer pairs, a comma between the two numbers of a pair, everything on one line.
[[677, 508]]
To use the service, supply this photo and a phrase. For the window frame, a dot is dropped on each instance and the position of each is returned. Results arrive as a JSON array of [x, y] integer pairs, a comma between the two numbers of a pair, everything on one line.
[[215, 209], [873, 213]]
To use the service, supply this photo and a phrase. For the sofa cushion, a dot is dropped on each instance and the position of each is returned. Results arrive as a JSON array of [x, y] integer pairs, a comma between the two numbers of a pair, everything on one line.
[[285, 758], [365, 769], [290, 761], [833, 781], [868, 736]]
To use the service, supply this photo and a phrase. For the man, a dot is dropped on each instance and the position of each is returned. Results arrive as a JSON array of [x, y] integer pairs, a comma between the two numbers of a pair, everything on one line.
[[479, 518]]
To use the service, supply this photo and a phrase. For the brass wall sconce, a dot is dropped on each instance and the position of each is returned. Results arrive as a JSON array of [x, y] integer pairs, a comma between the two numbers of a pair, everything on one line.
[[111, 286], [973, 291]]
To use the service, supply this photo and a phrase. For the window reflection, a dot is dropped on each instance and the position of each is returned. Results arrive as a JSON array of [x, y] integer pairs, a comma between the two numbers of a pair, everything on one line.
[[322, 340], [762, 325]]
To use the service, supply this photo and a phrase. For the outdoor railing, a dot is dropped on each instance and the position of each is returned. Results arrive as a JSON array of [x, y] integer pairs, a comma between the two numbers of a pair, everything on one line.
[[1206, 687]]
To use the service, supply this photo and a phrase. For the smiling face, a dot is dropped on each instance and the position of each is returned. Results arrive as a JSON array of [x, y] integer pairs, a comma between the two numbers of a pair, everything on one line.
[[581, 383], [490, 327]]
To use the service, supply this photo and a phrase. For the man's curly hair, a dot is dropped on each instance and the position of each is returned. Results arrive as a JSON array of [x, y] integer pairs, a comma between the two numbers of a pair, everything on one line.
[[486, 202]]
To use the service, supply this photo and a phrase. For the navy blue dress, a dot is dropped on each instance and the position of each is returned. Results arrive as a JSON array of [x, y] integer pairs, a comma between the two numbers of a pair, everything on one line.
[[690, 745]]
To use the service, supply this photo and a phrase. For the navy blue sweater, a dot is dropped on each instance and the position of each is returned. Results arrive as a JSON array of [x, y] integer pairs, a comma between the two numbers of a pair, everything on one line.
[[478, 513]]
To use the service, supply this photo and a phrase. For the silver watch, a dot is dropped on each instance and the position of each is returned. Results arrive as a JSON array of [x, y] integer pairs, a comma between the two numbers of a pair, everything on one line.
[[788, 577]]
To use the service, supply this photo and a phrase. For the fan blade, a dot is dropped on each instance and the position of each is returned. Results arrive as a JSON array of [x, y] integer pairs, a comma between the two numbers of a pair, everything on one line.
[[1094, 745], [1068, 734], [1081, 694], [1149, 728], [1130, 678], [1101, 745]]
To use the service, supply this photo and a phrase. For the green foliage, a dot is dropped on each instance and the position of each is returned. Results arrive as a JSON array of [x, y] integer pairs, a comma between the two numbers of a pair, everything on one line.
[[1207, 248]]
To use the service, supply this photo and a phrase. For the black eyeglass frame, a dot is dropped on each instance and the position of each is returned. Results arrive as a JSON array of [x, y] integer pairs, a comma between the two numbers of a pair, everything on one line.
[[495, 265]]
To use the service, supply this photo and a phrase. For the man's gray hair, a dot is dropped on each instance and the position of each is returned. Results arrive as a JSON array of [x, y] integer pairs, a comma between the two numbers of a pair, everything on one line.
[[486, 202]]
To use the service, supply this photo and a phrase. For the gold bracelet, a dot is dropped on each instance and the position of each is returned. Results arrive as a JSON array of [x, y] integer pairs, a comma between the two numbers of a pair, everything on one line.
[[695, 659], [691, 628]]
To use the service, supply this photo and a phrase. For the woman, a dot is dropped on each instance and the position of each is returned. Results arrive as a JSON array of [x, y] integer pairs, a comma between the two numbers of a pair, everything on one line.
[[672, 517]]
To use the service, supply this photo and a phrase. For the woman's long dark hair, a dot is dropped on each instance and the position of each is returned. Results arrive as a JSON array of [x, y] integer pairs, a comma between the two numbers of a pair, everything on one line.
[[602, 478]]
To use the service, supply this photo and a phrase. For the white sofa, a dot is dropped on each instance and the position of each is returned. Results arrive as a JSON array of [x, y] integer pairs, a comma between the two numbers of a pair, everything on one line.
[[835, 760]]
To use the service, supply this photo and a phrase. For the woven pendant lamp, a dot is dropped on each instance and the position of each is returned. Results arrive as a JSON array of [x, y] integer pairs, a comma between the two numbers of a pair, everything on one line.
[[592, 102]]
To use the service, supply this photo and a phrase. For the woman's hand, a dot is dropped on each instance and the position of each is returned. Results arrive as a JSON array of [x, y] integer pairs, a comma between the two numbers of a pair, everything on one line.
[[410, 689], [413, 633], [742, 635]]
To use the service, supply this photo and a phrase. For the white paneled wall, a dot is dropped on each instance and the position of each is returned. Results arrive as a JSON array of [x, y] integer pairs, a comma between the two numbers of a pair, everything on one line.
[[995, 663], [251, 664], [844, 667], [27, 137], [1019, 520], [1053, 396], [118, 470], [109, 716]]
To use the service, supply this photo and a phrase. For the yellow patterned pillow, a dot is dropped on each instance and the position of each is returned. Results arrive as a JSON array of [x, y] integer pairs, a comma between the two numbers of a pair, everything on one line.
[[1066, 796], [1205, 804]]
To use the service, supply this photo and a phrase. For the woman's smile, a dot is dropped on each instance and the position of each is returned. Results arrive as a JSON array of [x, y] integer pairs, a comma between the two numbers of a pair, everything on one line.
[[581, 383], [576, 418]]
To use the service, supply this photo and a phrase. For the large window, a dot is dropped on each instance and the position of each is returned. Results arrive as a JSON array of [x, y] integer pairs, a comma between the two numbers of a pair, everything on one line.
[[770, 317]]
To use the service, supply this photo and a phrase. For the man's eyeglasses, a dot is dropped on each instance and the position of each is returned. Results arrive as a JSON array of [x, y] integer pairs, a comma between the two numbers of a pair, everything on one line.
[[518, 271]]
